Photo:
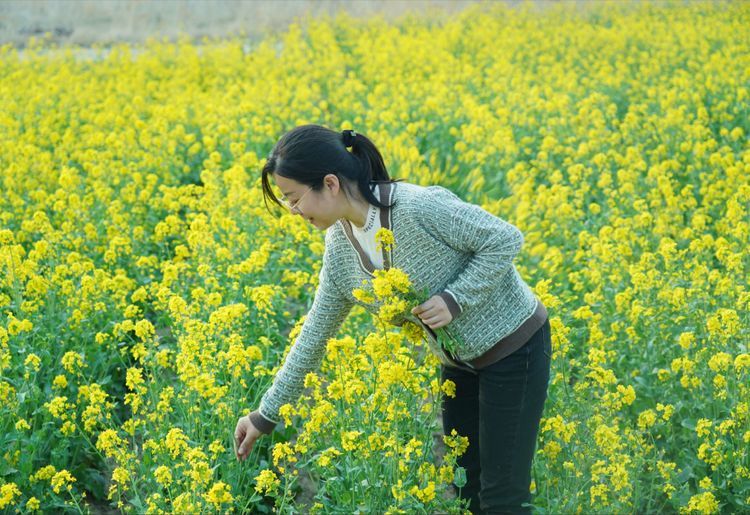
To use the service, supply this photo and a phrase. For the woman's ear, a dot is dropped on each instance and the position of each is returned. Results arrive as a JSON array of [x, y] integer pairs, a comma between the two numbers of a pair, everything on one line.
[[331, 182]]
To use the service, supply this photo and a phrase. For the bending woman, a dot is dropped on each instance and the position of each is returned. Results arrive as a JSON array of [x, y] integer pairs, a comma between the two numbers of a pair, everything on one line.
[[464, 256]]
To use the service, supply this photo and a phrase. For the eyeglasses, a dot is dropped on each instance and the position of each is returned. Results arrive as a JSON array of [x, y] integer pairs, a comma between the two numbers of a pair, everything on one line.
[[292, 207]]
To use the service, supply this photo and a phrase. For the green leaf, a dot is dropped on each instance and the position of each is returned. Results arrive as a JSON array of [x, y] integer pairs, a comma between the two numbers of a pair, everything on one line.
[[686, 473], [688, 423], [459, 477]]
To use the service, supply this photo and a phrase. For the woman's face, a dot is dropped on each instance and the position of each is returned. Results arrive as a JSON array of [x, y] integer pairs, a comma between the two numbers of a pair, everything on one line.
[[320, 208]]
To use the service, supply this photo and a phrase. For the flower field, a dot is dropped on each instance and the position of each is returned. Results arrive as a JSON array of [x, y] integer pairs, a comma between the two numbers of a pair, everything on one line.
[[147, 297]]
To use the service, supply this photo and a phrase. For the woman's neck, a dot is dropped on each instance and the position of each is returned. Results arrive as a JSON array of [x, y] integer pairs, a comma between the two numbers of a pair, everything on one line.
[[357, 213]]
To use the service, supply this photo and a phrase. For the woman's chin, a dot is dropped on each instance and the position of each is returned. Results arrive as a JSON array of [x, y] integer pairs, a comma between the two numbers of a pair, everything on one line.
[[321, 225], [315, 223]]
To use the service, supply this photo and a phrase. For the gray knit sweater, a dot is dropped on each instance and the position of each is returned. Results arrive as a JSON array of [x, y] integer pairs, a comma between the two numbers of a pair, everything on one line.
[[454, 248]]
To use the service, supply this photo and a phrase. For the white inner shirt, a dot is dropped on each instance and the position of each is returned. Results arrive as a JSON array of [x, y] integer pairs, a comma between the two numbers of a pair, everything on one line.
[[366, 235]]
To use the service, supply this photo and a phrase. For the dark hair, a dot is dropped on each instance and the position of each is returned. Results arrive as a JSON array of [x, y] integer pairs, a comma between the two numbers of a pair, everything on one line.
[[307, 153]]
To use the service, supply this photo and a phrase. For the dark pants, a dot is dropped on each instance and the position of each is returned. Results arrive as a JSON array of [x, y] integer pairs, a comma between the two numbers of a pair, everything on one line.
[[499, 408]]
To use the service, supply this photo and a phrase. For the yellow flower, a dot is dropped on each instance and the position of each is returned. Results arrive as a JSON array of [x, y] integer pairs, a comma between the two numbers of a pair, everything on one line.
[[456, 442], [702, 428], [62, 479], [449, 388], [426, 494], [163, 475], [686, 339], [219, 494], [720, 361], [349, 440], [216, 448], [385, 282], [742, 361], [397, 490], [121, 476], [287, 412], [176, 442], [445, 474], [134, 378], [413, 446], [266, 482], [394, 307], [144, 330], [384, 239], [58, 407], [627, 393], [72, 361], [32, 504], [33, 362], [706, 483], [312, 380], [668, 410], [283, 452], [262, 296], [559, 427], [598, 494], [646, 419], [60, 381], [381, 286], [8, 493], [326, 456], [704, 503], [45, 472], [363, 295], [413, 332]]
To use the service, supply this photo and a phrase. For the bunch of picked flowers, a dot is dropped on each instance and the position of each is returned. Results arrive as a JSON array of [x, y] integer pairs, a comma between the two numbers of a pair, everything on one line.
[[394, 294]]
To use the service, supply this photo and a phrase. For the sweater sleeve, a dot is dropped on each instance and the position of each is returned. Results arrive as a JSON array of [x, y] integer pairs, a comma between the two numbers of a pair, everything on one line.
[[491, 241], [324, 319]]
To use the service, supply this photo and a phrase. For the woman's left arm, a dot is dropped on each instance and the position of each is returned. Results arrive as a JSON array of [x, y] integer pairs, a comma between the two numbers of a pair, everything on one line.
[[466, 227]]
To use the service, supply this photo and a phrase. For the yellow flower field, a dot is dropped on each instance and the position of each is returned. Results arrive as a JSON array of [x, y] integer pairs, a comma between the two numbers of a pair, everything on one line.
[[147, 297]]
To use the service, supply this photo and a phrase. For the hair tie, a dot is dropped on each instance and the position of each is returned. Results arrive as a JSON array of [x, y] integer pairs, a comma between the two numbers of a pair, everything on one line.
[[348, 135]]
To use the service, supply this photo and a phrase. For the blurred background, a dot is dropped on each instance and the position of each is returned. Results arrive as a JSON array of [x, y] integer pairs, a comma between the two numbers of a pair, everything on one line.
[[85, 22]]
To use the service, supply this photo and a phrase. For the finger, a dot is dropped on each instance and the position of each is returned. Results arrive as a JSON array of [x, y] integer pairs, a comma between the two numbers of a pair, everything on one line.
[[247, 444], [428, 310], [237, 448], [239, 435], [433, 320], [435, 317]]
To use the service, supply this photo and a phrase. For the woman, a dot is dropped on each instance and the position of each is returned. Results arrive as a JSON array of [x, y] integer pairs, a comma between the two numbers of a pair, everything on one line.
[[463, 255]]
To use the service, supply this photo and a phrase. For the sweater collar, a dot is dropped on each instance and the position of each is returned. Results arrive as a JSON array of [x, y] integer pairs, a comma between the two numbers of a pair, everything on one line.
[[386, 197]]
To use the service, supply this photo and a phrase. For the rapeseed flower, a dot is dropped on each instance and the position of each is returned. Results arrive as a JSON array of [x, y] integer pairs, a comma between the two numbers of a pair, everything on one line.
[[62, 479], [266, 482], [8, 493]]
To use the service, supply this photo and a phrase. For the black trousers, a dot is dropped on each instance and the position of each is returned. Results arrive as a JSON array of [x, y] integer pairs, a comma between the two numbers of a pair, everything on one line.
[[499, 408]]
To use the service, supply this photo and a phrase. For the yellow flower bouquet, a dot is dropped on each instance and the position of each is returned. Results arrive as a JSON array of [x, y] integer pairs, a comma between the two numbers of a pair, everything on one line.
[[394, 293]]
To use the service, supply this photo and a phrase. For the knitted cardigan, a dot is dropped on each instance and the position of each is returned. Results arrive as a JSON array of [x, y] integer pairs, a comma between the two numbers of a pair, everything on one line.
[[456, 249]]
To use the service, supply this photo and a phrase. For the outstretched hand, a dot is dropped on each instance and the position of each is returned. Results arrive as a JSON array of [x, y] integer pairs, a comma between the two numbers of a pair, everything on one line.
[[245, 435], [434, 312]]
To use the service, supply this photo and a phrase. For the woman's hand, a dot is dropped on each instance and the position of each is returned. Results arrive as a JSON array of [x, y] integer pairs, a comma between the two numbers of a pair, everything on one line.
[[245, 435], [434, 312]]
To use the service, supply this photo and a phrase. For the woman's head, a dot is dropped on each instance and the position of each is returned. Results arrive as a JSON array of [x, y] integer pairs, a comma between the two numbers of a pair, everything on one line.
[[313, 168]]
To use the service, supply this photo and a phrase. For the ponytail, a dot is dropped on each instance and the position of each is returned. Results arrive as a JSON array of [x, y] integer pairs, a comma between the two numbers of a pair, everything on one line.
[[371, 162]]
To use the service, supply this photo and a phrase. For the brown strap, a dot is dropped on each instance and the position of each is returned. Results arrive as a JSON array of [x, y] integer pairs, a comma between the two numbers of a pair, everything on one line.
[[514, 340]]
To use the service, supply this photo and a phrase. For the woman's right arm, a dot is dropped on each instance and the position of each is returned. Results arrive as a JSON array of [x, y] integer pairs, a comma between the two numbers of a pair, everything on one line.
[[328, 312]]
